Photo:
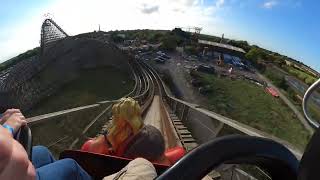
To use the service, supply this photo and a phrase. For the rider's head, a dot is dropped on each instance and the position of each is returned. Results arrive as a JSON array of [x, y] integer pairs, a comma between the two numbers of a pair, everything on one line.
[[126, 120]]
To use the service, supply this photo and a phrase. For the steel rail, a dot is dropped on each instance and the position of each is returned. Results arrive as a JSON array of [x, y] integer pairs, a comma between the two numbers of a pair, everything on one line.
[[305, 101]]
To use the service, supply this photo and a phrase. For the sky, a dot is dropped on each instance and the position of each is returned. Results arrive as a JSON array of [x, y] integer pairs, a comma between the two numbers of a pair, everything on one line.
[[289, 27]]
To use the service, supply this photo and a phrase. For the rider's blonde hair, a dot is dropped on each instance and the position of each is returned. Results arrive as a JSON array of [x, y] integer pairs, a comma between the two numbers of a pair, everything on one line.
[[126, 121]]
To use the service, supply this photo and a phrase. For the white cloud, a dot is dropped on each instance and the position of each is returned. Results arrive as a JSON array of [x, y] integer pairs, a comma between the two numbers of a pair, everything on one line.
[[270, 4], [219, 3], [147, 9], [79, 16]]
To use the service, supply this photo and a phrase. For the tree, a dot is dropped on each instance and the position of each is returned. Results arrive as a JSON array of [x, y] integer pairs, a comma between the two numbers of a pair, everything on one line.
[[283, 84], [156, 37], [242, 44], [191, 50], [180, 33], [169, 43], [254, 55], [116, 37]]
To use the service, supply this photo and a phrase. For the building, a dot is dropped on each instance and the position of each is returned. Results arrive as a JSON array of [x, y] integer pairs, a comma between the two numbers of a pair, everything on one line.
[[221, 48], [223, 53]]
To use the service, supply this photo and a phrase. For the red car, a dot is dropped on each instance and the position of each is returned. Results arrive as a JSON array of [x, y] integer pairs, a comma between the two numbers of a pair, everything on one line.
[[272, 91]]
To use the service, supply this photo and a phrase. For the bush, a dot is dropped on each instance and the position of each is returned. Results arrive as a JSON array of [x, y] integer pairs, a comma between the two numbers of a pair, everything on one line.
[[155, 37], [309, 80], [302, 77], [169, 43], [283, 84], [279, 81], [191, 50], [195, 74]]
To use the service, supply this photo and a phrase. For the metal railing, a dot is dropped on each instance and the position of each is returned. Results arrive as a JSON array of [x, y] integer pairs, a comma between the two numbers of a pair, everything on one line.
[[211, 123], [206, 125]]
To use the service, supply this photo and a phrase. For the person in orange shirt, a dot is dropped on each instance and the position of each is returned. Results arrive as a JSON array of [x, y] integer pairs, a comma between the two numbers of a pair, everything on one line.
[[127, 135]]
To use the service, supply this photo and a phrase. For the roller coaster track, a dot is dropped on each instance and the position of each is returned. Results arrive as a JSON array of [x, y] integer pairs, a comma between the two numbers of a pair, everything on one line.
[[169, 114], [50, 32], [148, 84]]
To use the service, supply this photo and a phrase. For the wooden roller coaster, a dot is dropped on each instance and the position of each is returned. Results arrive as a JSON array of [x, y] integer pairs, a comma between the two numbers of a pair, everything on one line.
[[159, 109]]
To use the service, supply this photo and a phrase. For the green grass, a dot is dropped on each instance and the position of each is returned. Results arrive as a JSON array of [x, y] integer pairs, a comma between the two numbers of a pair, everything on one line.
[[91, 86], [69, 126], [249, 104], [303, 76], [276, 78], [314, 111]]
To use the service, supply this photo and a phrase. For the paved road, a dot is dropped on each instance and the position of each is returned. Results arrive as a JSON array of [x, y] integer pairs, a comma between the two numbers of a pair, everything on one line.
[[291, 106], [302, 88], [298, 85], [202, 127]]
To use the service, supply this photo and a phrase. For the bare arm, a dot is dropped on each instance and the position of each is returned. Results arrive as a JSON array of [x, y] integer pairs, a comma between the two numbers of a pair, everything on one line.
[[14, 162]]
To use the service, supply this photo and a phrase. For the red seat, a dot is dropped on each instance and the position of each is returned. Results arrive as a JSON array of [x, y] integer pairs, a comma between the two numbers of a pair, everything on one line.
[[100, 165], [174, 154]]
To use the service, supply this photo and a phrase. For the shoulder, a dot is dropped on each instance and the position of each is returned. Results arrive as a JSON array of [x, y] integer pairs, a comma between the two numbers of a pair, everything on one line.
[[5, 148], [149, 134], [150, 130]]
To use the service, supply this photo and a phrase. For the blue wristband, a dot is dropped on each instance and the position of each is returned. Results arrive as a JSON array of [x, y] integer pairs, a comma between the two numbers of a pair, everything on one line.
[[9, 128]]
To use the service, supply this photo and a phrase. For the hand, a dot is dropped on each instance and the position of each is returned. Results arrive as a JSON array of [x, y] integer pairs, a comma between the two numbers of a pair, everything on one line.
[[7, 114], [15, 119], [14, 162]]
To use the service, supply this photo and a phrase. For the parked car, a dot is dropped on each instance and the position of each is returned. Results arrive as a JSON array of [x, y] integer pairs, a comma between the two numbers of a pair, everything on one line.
[[206, 69], [205, 89], [158, 60], [160, 53], [162, 58], [272, 91], [136, 56], [165, 56], [192, 58], [196, 82]]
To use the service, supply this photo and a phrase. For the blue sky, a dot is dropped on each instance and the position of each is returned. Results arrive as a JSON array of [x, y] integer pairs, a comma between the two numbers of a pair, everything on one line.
[[290, 27]]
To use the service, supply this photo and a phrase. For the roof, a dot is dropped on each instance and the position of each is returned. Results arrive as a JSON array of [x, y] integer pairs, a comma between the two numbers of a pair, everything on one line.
[[226, 46]]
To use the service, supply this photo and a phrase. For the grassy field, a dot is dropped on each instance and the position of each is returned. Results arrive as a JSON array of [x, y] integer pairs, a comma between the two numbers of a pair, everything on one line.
[[91, 86], [277, 79], [314, 111], [307, 78], [249, 104]]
